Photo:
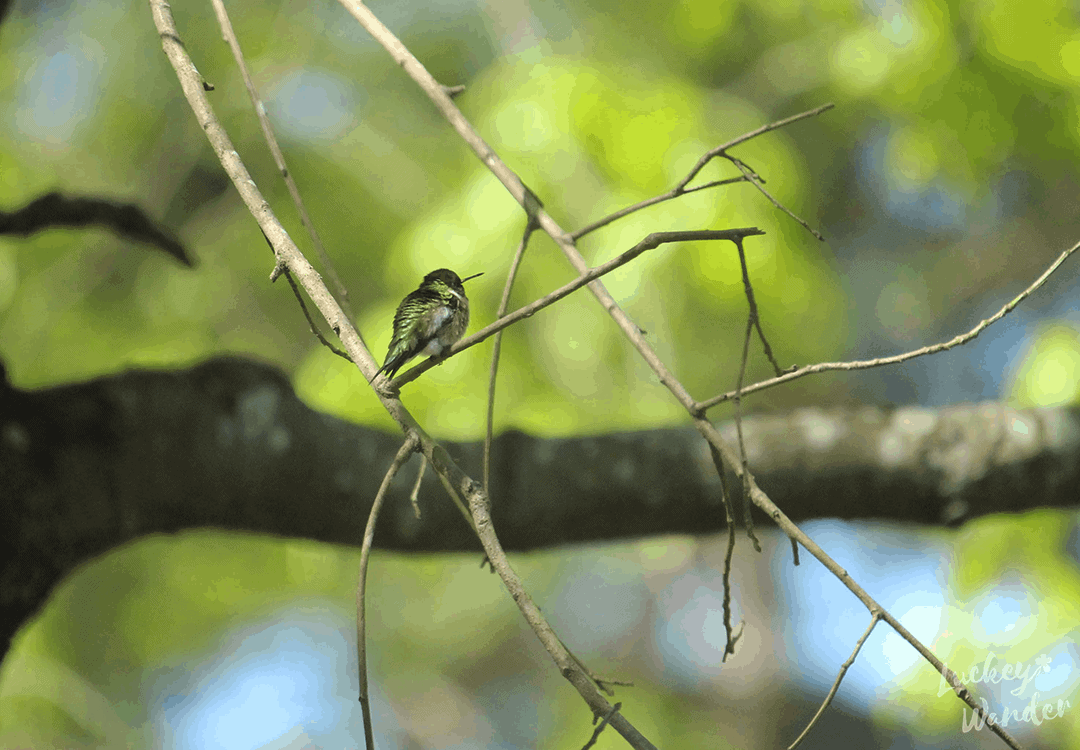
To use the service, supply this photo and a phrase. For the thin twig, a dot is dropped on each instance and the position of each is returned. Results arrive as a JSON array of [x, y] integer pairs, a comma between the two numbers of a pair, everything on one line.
[[404, 452], [753, 319], [675, 192], [600, 682], [279, 158], [882, 361], [755, 180], [455, 497], [282, 269], [496, 349], [603, 723], [311, 321], [682, 189], [713, 153], [725, 500], [755, 313], [748, 517], [732, 637], [874, 618], [414, 496]]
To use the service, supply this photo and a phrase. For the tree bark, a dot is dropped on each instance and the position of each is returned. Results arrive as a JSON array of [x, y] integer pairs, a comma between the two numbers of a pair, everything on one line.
[[227, 444]]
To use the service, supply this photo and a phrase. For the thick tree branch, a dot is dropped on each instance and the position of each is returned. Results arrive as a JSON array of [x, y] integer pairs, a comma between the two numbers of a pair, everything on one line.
[[90, 466]]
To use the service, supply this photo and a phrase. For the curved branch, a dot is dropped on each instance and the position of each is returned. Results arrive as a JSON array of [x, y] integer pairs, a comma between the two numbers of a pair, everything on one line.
[[128, 220]]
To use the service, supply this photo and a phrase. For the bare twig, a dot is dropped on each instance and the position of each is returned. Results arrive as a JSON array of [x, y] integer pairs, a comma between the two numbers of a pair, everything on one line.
[[496, 349], [713, 153], [669, 195], [307, 315], [601, 682], [753, 321], [600, 727], [875, 617], [748, 517], [414, 496], [732, 636], [404, 452], [682, 189], [755, 314], [882, 361], [754, 179], [452, 490], [279, 158], [725, 500]]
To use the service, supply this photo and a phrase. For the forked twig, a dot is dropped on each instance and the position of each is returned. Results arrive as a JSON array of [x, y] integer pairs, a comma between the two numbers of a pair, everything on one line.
[[895, 359], [682, 189], [753, 321], [754, 179], [755, 314], [713, 153], [600, 728], [669, 195], [303, 307]]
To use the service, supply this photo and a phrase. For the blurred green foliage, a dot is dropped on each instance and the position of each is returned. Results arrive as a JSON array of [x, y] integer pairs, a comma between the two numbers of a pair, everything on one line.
[[1049, 372], [590, 118], [174, 602]]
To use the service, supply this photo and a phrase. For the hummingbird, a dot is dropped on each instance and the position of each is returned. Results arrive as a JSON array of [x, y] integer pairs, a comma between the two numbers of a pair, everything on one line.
[[429, 320]]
